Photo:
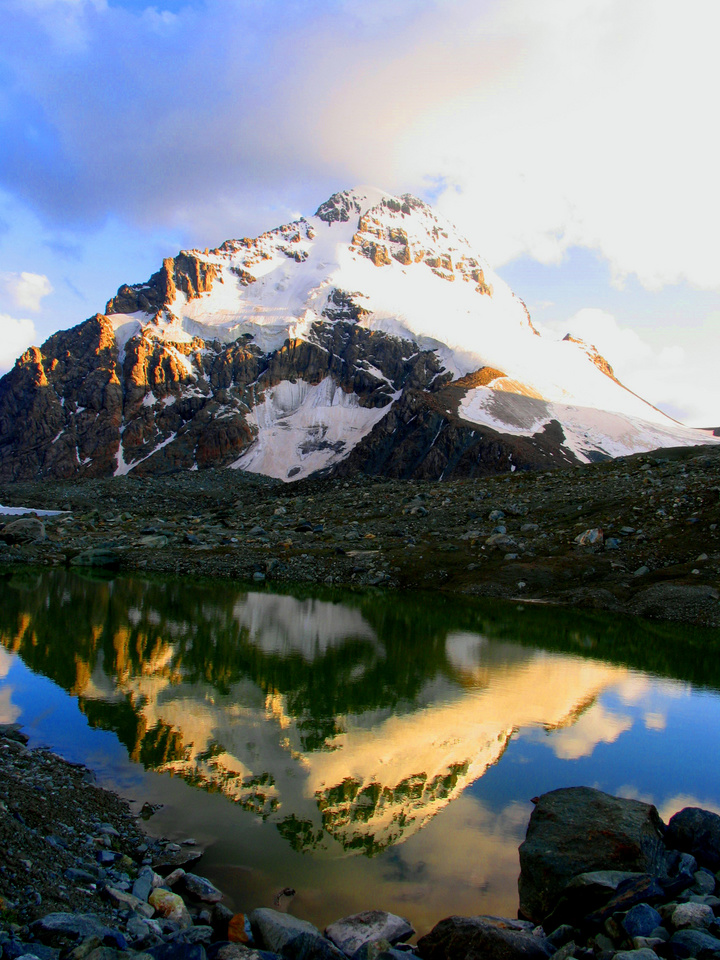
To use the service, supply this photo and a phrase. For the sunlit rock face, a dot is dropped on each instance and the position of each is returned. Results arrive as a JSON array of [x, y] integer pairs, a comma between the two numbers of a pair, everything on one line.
[[369, 337], [320, 717]]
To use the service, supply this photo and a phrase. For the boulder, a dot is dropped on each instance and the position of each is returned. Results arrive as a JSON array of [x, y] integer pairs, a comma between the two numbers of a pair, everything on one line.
[[482, 938], [80, 926], [275, 929], [694, 943], [577, 830], [696, 915], [100, 556], [641, 920], [696, 831], [350, 933], [24, 530]]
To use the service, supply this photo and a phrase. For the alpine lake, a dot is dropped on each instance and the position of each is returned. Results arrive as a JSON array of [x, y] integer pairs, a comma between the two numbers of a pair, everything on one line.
[[369, 750]]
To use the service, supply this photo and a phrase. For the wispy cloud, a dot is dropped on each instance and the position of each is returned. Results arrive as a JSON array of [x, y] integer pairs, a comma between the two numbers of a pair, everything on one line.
[[549, 124]]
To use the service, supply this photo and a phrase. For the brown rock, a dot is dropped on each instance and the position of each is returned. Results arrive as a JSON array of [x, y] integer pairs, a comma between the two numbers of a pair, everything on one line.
[[236, 929]]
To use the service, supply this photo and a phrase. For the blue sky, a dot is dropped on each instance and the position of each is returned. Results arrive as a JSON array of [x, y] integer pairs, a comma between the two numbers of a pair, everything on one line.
[[572, 140]]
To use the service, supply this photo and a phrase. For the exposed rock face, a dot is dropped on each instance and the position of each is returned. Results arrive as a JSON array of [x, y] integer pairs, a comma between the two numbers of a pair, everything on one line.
[[61, 406], [577, 830], [75, 407], [185, 272]]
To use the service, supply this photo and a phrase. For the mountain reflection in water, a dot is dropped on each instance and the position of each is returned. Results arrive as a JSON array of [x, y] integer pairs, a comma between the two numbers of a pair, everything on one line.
[[343, 727]]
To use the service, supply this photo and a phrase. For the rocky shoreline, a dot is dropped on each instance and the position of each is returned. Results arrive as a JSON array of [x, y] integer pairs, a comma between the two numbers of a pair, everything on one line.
[[638, 535], [602, 878]]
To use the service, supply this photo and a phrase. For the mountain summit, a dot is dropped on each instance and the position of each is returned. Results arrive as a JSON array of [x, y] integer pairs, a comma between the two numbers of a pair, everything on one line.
[[368, 337]]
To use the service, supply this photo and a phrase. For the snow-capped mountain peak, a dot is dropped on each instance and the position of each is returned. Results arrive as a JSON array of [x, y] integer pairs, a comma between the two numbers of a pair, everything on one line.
[[315, 345]]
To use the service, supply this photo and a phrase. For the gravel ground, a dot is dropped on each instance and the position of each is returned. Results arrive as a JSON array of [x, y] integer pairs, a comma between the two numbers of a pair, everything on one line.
[[53, 819], [637, 534]]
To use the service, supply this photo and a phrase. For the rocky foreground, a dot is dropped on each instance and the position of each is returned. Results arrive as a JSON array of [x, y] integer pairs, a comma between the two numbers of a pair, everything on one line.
[[638, 534], [602, 878]]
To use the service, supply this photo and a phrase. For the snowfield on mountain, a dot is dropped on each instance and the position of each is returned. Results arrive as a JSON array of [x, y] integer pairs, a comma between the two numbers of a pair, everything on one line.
[[369, 337]]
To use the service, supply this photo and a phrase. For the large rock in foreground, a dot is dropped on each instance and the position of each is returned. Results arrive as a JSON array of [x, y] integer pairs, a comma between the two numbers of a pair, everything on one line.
[[577, 830], [697, 832], [482, 938]]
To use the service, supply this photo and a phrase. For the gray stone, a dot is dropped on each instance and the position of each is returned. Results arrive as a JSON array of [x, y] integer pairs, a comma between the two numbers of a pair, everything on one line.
[[644, 954], [577, 830], [200, 933], [238, 951], [14, 949], [350, 933], [310, 946], [139, 929], [704, 882], [75, 875], [125, 900], [177, 950], [649, 943], [81, 925], [201, 888], [641, 920], [482, 938], [643, 889], [275, 929], [96, 557], [697, 915], [562, 935], [696, 831], [24, 530], [694, 943], [143, 884]]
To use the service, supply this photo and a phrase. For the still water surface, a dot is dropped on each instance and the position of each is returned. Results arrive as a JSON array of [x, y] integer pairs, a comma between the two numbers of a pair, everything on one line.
[[367, 750]]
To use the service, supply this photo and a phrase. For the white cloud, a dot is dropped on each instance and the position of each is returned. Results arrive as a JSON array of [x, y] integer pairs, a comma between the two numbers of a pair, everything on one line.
[[25, 290], [15, 337], [596, 725], [654, 720], [546, 124]]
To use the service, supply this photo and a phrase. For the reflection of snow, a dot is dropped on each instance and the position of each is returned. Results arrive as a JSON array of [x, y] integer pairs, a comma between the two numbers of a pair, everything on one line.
[[284, 625], [463, 650], [6, 661]]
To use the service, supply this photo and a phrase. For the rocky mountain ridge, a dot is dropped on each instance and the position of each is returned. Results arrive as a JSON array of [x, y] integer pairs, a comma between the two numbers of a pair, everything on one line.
[[368, 338]]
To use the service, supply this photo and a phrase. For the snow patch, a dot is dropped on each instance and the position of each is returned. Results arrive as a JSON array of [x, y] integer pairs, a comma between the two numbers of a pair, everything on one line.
[[587, 430], [303, 427], [21, 511]]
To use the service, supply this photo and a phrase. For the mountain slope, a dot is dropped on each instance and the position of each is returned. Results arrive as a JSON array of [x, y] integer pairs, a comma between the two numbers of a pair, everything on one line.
[[369, 337]]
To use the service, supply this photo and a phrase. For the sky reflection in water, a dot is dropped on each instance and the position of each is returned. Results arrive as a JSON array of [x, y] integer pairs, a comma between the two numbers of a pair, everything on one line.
[[366, 750]]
